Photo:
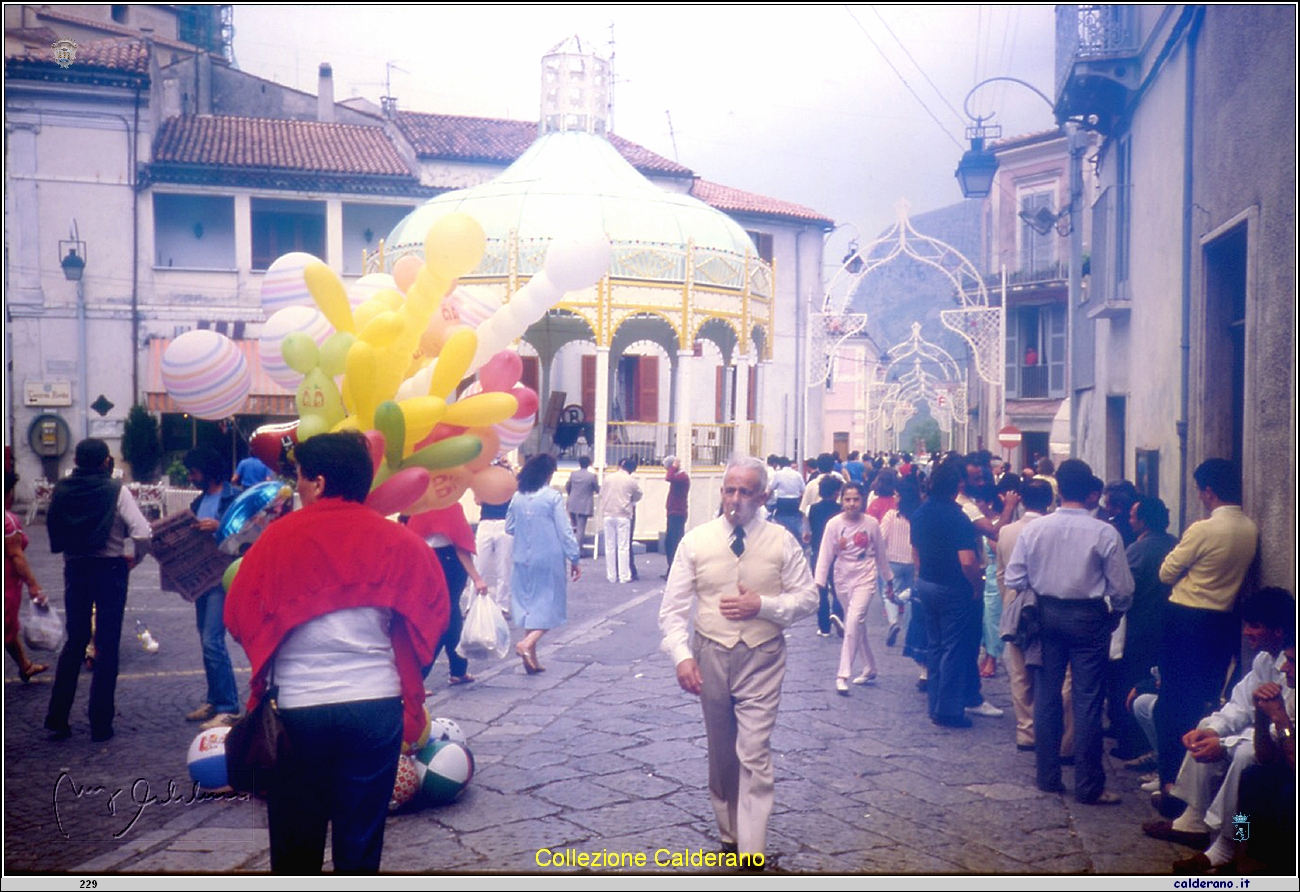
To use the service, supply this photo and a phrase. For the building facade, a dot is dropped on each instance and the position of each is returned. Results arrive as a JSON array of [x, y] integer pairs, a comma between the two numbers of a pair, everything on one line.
[[1184, 349]]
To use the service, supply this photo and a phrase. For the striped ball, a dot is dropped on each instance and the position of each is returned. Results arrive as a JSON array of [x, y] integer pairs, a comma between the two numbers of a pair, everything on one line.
[[206, 374], [473, 309], [307, 320], [284, 285], [368, 286]]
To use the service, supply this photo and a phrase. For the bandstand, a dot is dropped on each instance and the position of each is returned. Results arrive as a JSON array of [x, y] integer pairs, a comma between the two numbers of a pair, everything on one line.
[[680, 328]]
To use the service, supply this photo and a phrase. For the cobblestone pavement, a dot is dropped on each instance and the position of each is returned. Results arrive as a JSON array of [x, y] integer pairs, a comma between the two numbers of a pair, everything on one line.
[[601, 752]]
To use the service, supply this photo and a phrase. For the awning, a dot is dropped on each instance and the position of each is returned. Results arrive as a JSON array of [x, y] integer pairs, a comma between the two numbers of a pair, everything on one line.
[[265, 397]]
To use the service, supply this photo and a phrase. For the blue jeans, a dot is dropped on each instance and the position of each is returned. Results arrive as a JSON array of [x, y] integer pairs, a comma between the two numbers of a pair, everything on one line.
[[209, 613], [952, 619], [456, 575], [342, 773]]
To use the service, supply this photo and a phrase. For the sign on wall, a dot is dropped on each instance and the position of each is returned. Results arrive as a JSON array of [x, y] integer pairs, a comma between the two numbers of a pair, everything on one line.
[[47, 393]]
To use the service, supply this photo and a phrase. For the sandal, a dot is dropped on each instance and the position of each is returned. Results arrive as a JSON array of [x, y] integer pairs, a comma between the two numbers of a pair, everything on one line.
[[453, 680], [33, 669], [529, 658]]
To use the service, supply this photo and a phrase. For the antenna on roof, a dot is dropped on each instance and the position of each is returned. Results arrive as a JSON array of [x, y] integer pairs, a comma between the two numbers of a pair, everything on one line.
[[671, 135], [388, 102], [613, 79]]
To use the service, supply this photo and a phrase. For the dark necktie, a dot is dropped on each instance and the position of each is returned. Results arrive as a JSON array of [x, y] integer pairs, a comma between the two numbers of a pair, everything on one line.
[[738, 541]]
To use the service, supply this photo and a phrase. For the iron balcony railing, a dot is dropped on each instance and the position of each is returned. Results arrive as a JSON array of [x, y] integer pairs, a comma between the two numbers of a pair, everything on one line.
[[1091, 32]]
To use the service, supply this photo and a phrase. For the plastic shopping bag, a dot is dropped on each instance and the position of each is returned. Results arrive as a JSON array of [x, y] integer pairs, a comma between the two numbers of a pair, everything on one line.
[[42, 626], [485, 633]]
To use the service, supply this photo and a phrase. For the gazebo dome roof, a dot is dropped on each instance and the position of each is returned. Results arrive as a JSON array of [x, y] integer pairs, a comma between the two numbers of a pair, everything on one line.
[[574, 181]]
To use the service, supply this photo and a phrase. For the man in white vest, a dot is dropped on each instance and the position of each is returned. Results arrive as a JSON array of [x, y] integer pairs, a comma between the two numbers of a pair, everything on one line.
[[741, 580]]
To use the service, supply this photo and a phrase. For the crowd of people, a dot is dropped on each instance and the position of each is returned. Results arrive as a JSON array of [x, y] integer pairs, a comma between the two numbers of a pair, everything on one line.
[[1105, 624]]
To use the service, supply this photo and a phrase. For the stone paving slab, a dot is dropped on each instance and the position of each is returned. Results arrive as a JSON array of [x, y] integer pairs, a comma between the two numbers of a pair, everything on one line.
[[602, 751]]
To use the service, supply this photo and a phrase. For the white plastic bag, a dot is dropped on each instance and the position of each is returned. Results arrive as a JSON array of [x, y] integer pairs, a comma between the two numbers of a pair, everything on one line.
[[485, 633], [42, 626]]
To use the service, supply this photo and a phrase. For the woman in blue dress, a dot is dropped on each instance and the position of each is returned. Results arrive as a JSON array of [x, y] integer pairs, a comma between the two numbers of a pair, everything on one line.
[[543, 544]]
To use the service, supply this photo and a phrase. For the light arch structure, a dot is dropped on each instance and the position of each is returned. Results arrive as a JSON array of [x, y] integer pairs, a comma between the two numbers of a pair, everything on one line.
[[919, 371], [979, 324]]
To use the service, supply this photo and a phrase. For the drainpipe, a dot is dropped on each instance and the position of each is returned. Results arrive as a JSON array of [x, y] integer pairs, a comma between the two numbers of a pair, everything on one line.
[[1185, 337]]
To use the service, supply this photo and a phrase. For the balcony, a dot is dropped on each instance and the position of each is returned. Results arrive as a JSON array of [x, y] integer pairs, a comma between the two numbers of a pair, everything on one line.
[[1097, 62], [1033, 382]]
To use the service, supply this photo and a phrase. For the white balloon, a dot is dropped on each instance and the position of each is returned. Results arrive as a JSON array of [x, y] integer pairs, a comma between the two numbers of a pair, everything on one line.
[[577, 262], [307, 320]]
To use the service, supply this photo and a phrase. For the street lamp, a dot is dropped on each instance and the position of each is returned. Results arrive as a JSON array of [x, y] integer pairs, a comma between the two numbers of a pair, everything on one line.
[[970, 174], [978, 165], [72, 260]]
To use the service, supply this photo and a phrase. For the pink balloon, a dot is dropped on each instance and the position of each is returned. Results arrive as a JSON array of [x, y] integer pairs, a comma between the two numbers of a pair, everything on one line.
[[405, 271], [527, 398], [375, 446], [399, 491], [440, 431], [501, 372]]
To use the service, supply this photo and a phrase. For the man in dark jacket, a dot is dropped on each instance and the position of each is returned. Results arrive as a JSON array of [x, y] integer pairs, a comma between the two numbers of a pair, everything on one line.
[[90, 517]]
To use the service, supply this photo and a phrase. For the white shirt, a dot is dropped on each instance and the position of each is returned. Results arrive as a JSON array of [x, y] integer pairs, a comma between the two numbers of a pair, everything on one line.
[[797, 598]]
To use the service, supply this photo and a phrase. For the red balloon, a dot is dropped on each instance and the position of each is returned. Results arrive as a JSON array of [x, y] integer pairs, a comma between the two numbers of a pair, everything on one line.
[[440, 431], [501, 372], [375, 446], [399, 492], [527, 398], [271, 443]]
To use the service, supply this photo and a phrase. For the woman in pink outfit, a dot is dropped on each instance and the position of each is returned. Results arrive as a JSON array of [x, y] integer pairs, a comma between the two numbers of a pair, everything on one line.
[[853, 544]]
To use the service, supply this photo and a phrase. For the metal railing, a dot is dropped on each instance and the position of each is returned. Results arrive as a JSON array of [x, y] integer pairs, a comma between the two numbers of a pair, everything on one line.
[[1093, 31], [712, 444], [646, 441]]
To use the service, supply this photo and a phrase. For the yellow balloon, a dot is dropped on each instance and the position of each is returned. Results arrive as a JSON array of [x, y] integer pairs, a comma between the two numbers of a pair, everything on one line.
[[330, 295], [362, 380], [453, 362], [454, 246], [363, 313], [383, 330], [481, 410], [422, 414], [427, 290], [389, 297]]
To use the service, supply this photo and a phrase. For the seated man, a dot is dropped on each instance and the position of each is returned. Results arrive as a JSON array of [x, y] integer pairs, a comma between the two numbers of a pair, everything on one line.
[[1222, 744]]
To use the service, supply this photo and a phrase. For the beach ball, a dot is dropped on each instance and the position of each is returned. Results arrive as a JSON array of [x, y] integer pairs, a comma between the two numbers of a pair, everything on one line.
[[206, 374], [446, 729], [207, 759], [307, 320], [444, 769], [368, 286], [407, 784], [284, 285]]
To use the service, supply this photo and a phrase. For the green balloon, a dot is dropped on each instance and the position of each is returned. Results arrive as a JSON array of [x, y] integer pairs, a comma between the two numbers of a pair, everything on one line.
[[334, 352], [390, 422], [446, 453], [228, 578], [300, 352]]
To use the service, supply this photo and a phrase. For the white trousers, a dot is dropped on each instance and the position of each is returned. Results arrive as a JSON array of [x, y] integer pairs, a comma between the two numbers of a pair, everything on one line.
[[618, 549], [492, 561]]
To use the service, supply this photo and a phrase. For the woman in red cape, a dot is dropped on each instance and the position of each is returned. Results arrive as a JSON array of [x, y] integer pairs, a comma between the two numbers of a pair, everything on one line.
[[337, 609]]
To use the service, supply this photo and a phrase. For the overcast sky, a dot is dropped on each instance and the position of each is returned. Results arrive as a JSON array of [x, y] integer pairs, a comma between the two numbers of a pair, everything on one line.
[[798, 103]]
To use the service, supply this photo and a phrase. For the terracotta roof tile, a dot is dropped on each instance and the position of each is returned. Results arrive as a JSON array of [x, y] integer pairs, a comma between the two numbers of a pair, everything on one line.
[[497, 139], [113, 54], [307, 146], [725, 198]]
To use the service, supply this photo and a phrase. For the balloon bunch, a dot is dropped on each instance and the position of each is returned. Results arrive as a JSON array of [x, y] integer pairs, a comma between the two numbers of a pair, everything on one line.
[[387, 359]]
